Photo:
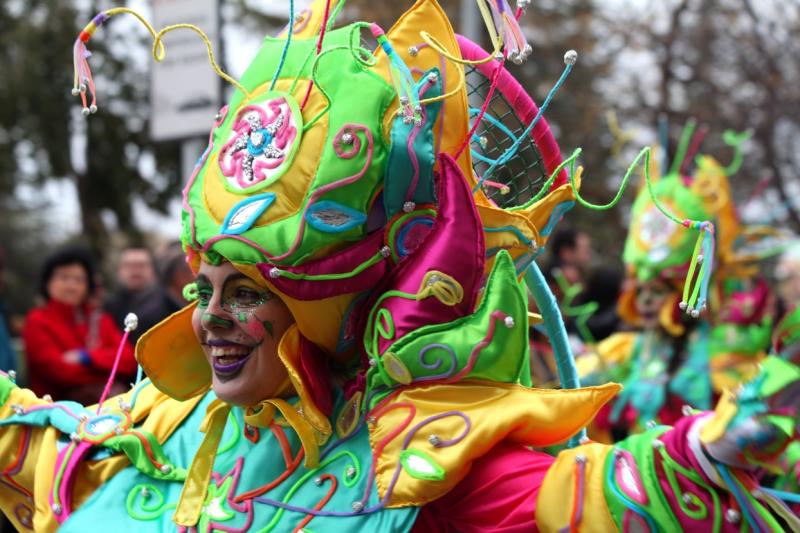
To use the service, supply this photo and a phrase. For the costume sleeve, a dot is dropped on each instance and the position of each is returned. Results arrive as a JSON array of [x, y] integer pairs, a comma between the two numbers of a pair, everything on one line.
[[103, 356], [20, 447], [45, 352], [660, 480], [498, 495]]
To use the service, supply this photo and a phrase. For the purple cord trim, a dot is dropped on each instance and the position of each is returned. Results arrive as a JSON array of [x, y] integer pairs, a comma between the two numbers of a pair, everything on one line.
[[99, 19], [435, 365]]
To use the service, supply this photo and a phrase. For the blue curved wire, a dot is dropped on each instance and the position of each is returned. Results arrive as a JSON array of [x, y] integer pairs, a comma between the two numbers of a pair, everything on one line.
[[285, 51]]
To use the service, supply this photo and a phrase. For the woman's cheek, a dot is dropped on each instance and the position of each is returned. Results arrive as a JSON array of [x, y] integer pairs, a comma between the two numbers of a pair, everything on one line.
[[253, 325]]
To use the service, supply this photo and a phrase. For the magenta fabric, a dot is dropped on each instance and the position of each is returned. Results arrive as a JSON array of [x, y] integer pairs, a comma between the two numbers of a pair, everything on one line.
[[497, 496], [454, 246], [341, 262], [315, 375], [523, 106], [676, 444]]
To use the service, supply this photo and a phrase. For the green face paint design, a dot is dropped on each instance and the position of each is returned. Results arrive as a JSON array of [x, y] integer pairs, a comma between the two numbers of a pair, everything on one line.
[[210, 319], [269, 328]]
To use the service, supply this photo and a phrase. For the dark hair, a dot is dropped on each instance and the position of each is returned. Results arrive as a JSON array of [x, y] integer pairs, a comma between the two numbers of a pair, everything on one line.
[[562, 238], [64, 257], [135, 246]]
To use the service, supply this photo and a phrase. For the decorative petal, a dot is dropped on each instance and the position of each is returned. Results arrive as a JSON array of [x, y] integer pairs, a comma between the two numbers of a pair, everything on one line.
[[244, 214], [333, 217], [420, 465], [349, 415], [396, 369]]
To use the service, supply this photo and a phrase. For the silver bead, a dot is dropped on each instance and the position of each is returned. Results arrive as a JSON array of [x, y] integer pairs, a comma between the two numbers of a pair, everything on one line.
[[516, 58], [47, 398], [373, 362], [658, 444], [407, 119], [686, 497], [217, 117], [435, 441], [413, 51], [86, 112], [82, 88], [404, 100], [145, 493], [585, 440], [409, 206], [700, 258], [651, 424], [732, 516], [351, 471], [124, 406], [93, 109], [483, 141], [580, 458], [358, 507], [75, 91], [74, 437], [17, 409], [499, 56], [523, 4], [433, 77], [274, 272], [318, 481], [571, 57], [509, 322], [527, 51], [56, 508], [83, 417], [687, 410], [165, 469], [386, 251], [683, 306], [12, 375], [695, 313], [347, 138], [118, 431]]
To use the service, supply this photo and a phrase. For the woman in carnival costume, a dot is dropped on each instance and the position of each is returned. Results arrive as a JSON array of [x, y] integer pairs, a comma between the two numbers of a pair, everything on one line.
[[691, 344], [353, 360]]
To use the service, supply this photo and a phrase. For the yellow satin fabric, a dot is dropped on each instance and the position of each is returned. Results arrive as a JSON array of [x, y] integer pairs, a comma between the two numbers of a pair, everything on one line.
[[160, 415], [498, 412], [195, 487], [556, 496]]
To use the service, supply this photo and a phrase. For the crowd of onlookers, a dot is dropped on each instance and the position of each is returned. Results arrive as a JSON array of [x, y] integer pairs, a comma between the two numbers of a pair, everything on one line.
[[71, 339]]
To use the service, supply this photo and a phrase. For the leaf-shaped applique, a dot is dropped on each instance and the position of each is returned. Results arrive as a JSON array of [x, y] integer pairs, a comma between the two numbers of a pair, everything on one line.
[[333, 217], [244, 214], [628, 478], [396, 369], [349, 415], [420, 465]]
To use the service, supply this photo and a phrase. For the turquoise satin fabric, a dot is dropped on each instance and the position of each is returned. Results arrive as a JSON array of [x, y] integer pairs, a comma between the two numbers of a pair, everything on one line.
[[241, 466]]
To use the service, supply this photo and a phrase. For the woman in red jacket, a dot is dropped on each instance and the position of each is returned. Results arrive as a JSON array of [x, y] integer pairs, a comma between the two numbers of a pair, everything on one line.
[[71, 344]]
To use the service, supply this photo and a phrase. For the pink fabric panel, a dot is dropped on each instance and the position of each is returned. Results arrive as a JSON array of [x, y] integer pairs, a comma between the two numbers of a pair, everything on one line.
[[523, 105], [497, 496], [454, 246], [341, 262]]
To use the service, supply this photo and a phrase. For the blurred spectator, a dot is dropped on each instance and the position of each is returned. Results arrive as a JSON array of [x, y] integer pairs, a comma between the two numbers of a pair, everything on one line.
[[137, 291], [571, 253], [71, 345], [602, 287], [175, 275], [787, 273], [8, 356]]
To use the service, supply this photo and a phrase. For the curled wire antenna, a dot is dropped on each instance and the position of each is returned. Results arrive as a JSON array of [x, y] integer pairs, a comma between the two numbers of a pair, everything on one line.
[[517, 181]]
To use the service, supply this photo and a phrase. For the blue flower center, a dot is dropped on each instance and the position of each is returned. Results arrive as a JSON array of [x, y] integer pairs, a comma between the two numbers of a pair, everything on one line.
[[258, 141]]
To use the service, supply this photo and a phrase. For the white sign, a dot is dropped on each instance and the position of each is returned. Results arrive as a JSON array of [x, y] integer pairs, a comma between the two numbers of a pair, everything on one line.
[[185, 92]]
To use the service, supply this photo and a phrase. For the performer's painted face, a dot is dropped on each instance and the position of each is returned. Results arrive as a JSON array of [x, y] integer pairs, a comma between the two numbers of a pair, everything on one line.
[[239, 324], [650, 297]]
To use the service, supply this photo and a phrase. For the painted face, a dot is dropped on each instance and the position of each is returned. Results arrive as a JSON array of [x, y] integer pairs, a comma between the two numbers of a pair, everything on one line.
[[239, 324], [650, 297]]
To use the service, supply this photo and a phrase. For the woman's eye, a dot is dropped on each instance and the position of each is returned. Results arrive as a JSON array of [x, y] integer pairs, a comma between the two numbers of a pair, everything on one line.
[[247, 297]]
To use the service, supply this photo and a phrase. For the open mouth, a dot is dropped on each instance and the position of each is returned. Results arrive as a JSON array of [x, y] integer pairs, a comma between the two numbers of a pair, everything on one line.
[[228, 359]]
